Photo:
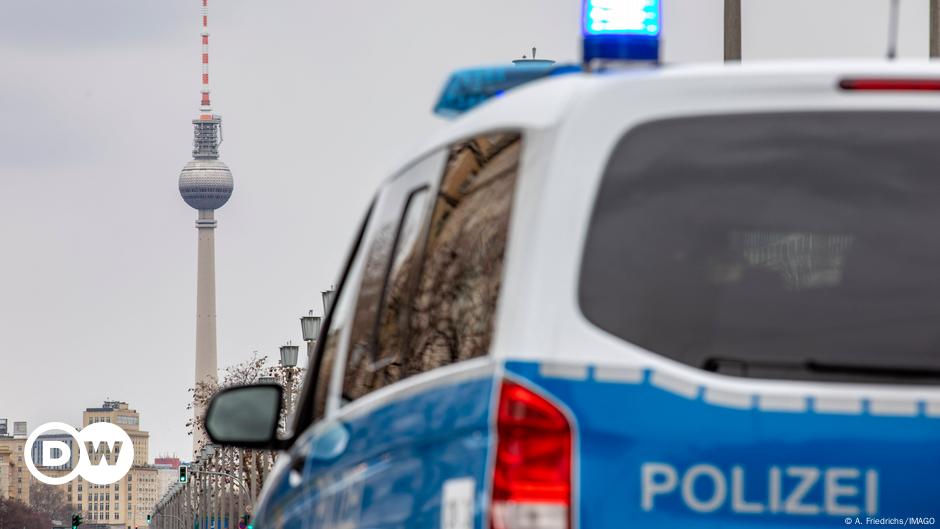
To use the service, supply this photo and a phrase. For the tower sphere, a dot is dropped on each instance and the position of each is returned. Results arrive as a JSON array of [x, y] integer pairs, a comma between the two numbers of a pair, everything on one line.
[[206, 184]]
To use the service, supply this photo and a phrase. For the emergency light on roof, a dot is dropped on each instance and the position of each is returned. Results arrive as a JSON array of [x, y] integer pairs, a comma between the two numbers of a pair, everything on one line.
[[621, 29], [472, 86]]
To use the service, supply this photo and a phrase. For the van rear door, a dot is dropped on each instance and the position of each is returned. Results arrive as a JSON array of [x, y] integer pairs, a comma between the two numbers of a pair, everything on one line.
[[781, 246]]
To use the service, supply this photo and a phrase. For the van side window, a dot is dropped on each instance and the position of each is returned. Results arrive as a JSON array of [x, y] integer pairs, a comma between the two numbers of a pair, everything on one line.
[[431, 282], [451, 315]]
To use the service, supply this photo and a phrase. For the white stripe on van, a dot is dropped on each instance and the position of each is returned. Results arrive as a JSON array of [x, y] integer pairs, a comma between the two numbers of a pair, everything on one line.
[[729, 399], [895, 408], [783, 403], [623, 375], [564, 371], [675, 385], [933, 408], [838, 405], [771, 402]]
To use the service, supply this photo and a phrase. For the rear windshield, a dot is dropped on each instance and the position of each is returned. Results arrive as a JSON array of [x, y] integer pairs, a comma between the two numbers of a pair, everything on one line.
[[801, 245]]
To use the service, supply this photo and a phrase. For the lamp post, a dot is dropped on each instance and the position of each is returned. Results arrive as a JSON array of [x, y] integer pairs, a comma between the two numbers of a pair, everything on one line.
[[289, 360], [732, 30], [310, 325], [934, 29]]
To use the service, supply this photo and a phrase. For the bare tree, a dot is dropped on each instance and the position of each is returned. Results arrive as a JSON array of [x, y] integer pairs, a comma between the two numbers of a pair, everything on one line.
[[247, 372], [49, 501], [17, 515], [245, 470]]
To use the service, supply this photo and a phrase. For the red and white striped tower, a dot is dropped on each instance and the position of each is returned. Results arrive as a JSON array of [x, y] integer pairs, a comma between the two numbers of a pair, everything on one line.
[[206, 185], [205, 107]]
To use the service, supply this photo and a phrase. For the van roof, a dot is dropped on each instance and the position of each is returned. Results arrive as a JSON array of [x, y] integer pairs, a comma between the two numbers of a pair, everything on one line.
[[546, 102]]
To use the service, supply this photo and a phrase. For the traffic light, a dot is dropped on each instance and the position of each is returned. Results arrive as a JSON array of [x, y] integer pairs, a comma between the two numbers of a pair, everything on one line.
[[76, 520], [183, 474], [148, 519]]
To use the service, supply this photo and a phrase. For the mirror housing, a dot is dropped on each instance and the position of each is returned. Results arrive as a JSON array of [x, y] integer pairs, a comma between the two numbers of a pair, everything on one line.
[[246, 416]]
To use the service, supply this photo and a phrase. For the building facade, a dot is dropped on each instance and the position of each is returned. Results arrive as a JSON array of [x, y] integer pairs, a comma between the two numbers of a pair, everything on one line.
[[121, 505], [14, 476], [168, 473], [118, 413], [126, 503]]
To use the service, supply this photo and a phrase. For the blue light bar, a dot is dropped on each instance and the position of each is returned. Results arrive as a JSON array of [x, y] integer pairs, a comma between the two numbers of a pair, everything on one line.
[[621, 29], [472, 86]]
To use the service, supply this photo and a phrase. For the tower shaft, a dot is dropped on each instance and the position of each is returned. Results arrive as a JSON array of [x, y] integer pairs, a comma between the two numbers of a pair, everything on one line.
[[206, 337]]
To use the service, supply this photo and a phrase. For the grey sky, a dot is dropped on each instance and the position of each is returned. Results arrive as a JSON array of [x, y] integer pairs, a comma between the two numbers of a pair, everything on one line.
[[319, 99]]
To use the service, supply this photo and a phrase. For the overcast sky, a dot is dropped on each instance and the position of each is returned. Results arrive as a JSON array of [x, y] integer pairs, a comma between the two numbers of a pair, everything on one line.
[[319, 99]]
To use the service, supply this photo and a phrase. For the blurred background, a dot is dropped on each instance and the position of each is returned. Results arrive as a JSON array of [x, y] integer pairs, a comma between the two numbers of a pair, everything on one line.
[[321, 100]]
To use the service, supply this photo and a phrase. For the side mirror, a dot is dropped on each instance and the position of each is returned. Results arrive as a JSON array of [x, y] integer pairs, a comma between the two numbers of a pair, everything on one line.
[[245, 416]]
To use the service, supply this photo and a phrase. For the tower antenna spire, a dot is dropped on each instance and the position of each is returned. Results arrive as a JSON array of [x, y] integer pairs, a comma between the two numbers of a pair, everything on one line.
[[205, 107], [207, 129]]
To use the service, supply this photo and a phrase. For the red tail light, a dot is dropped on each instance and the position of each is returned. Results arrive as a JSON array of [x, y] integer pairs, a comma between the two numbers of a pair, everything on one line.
[[532, 477], [902, 85]]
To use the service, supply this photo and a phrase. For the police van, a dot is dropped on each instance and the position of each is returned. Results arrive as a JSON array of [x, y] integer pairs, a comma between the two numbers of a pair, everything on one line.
[[651, 297]]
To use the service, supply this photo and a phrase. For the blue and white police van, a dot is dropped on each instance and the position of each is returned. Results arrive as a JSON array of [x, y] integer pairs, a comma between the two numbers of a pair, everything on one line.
[[650, 297]]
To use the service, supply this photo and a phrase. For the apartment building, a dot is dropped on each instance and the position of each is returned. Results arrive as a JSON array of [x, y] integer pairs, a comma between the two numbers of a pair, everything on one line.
[[14, 476]]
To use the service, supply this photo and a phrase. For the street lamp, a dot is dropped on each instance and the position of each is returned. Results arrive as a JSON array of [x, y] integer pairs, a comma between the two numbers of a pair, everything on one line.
[[289, 361], [310, 325], [289, 355], [328, 296]]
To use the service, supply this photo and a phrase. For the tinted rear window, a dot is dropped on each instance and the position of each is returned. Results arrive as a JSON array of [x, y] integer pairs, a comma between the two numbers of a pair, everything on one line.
[[774, 245]]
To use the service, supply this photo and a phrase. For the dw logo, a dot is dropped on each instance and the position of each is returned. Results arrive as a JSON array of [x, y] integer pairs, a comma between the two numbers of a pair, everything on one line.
[[97, 443]]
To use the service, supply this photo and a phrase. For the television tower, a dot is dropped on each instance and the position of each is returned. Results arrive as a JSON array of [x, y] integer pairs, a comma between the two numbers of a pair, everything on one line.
[[206, 185]]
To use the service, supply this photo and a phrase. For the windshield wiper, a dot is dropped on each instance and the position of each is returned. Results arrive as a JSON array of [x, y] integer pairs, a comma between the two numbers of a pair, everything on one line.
[[816, 370], [875, 371]]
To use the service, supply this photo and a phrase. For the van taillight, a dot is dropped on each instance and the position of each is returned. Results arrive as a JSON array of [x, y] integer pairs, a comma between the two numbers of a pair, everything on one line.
[[532, 476]]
